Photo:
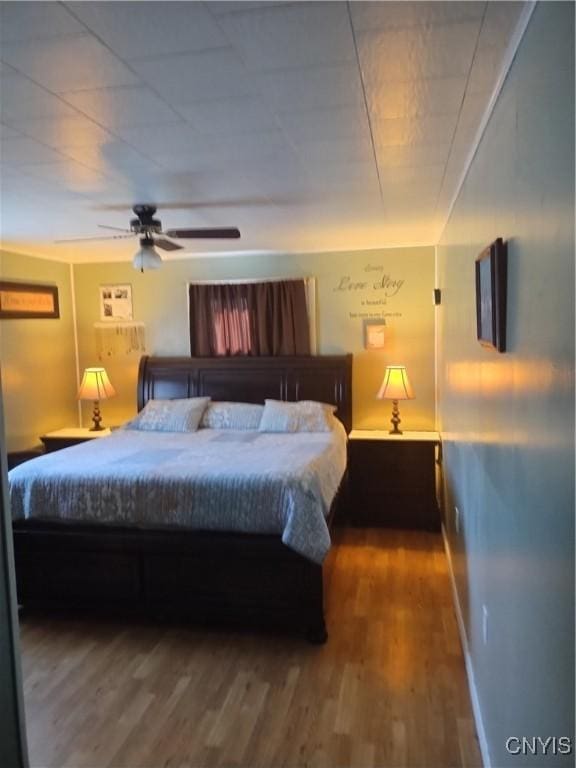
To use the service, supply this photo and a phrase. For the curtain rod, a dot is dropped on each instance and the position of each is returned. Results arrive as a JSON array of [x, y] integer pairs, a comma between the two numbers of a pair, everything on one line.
[[240, 281]]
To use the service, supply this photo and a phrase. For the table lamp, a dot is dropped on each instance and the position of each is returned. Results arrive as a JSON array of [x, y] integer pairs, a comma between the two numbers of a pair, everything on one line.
[[395, 386], [95, 386]]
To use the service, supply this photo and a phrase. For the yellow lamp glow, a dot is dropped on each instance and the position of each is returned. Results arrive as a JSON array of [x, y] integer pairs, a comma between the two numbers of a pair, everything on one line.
[[95, 386], [395, 386]]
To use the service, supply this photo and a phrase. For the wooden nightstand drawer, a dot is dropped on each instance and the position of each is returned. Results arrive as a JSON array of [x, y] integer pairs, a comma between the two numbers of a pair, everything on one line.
[[402, 464], [393, 480], [395, 510]]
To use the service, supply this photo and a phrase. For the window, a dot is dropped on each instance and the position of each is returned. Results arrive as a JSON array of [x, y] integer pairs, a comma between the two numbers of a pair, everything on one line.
[[253, 318]]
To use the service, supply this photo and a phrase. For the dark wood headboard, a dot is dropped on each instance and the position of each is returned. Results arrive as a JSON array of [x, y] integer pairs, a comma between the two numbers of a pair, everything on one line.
[[327, 379]]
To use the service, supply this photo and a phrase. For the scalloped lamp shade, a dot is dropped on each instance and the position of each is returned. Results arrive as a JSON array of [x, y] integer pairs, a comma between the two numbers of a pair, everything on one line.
[[95, 386], [395, 386]]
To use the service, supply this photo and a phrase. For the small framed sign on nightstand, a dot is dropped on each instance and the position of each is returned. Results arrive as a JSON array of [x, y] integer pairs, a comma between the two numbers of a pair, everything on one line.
[[393, 479]]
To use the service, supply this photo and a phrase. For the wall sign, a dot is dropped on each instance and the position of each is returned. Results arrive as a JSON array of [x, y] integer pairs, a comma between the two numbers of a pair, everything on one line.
[[116, 302], [28, 300], [372, 290]]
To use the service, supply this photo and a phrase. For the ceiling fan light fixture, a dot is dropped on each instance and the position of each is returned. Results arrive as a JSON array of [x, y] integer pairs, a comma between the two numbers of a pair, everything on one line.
[[147, 257]]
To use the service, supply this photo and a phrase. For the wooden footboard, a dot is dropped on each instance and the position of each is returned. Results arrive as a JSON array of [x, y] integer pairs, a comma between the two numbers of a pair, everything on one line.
[[231, 578], [197, 576]]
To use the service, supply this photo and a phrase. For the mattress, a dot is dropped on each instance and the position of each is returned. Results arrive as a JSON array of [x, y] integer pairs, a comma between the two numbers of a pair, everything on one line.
[[222, 480]]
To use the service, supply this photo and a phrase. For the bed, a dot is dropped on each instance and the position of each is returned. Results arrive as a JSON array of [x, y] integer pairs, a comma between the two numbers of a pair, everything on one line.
[[267, 576]]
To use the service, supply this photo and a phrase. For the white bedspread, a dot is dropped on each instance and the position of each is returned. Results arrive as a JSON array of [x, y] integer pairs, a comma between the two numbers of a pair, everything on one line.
[[207, 480]]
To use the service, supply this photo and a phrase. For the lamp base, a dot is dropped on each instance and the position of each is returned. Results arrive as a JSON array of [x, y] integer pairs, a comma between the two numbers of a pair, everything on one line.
[[96, 418], [395, 419]]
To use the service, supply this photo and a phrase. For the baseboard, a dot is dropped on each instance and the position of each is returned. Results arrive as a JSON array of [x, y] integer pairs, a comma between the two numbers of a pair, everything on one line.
[[479, 722]]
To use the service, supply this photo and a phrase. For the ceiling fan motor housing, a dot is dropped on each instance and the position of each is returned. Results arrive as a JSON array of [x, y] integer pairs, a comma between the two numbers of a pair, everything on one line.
[[145, 223]]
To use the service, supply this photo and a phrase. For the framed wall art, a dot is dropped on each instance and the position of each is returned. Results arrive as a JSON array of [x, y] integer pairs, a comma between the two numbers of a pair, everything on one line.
[[28, 300], [491, 279], [374, 334], [116, 302]]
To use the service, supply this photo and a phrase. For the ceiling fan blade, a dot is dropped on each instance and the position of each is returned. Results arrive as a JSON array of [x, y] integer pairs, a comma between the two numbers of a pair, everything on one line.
[[223, 233], [118, 229], [167, 245], [223, 202], [86, 239], [181, 205]]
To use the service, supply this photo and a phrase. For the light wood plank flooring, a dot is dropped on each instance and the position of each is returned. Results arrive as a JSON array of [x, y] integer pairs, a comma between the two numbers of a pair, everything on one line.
[[388, 689]]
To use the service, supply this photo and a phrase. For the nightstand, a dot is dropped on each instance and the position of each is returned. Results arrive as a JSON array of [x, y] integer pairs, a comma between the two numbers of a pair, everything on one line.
[[64, 438], [14, 458], [393, 479]]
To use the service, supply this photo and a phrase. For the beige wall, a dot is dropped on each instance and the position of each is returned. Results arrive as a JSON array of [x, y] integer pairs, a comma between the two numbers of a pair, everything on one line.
[[507, 420], [160, 301], [37, 358]]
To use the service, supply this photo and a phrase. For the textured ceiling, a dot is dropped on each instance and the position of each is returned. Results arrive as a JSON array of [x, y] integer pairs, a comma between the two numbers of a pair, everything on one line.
[[309, 125]]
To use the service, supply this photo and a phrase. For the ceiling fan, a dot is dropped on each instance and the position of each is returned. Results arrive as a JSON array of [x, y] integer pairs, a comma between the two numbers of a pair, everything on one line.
[[152, 235]]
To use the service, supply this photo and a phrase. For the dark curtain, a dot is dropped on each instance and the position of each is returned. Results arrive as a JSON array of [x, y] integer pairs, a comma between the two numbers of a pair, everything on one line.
[[265, 319]]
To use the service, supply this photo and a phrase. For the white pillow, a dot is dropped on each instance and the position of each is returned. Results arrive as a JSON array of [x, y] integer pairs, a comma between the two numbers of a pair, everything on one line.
[[303, 416], [279, 416], [315, 417], [170, 415], [232, 416]]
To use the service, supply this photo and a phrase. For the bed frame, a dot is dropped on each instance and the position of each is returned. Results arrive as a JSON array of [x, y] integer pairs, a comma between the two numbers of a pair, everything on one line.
[[194, 574]]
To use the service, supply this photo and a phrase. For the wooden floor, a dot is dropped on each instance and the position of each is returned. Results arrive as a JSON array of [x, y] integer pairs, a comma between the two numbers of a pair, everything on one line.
[[388, 689]]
